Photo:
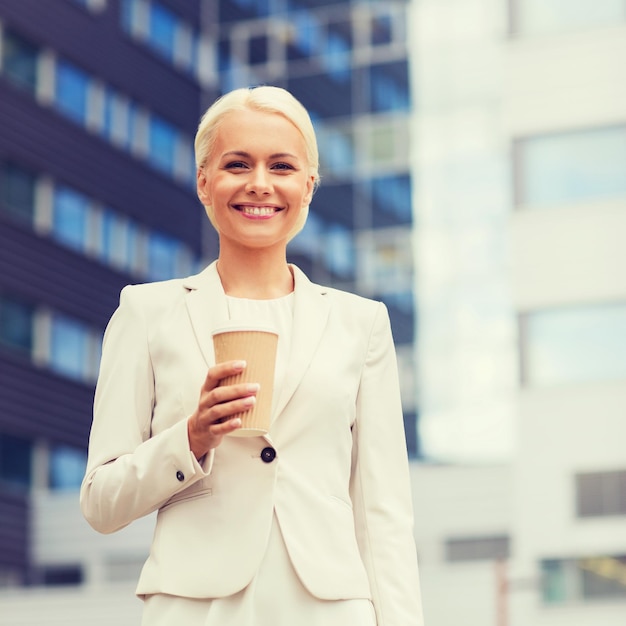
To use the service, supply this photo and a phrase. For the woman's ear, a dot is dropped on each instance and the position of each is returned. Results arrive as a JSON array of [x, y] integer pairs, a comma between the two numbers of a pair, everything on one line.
[[310, 189], [201, 185]]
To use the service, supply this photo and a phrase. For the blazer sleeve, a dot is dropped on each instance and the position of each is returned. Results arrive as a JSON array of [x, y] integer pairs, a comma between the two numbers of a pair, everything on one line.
[[130, 473], [380, 485]]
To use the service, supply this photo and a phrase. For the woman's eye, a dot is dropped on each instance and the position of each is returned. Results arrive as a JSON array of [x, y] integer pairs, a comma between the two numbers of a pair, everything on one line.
[[282, 166], [235, 165]]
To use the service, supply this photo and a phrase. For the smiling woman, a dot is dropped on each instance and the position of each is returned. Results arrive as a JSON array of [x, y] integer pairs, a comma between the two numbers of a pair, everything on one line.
[[310, 523], [256, 183]]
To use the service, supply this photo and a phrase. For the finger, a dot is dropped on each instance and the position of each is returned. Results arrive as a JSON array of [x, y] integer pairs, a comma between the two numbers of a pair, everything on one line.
[[225, 427], [227, 393], [221, 371], [220, 413]]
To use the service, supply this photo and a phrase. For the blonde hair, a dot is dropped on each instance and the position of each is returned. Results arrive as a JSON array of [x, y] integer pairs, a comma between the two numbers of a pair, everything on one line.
[[267, 99]]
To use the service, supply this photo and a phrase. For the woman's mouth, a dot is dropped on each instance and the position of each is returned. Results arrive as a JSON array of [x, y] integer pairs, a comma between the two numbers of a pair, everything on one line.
[[257, 210]]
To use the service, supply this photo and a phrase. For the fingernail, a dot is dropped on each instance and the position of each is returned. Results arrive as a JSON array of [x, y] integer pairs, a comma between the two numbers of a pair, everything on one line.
[[253, 387], [249, 401], [239, 365]]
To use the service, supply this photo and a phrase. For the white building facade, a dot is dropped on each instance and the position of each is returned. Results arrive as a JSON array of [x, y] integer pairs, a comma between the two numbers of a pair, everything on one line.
[[520, 135]]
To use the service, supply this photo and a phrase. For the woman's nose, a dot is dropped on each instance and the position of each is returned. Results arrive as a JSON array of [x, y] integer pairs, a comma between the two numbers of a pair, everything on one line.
[[259, 182]]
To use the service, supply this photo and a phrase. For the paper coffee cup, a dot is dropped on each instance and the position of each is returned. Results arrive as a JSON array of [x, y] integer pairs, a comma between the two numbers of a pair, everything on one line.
[[257, 346]]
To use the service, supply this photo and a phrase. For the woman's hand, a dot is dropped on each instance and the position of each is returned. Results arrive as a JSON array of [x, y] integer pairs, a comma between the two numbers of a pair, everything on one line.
[[214, 416]]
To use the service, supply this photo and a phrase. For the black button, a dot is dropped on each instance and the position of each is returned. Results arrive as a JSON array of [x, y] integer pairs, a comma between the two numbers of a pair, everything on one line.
[[180, 476], [268, 455]]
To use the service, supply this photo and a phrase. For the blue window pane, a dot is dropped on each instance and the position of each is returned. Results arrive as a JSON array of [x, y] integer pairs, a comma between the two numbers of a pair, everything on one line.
[[260, 7], [17, 191], [163, 137], [574, 345], [162, 30], [15, 461], [113, 242], [162, 255], [19, 61], [119, 118], [127, 8], [337, 54], [570, 167], [392, 194], [16, 324], [69, 347], [308, 33], [389, 87], [336, 150], [381, 30], [67, 467], [71, 91], [339, 251], [553, 582], [69, 220], [309, 240]]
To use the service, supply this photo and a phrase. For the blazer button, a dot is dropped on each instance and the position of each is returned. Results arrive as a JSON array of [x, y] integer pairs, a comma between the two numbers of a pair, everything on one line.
[[180, 476], [268, 455]]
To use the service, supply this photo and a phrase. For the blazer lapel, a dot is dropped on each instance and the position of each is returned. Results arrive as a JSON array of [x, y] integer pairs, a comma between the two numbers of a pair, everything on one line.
[[310, 316], [207, 308]]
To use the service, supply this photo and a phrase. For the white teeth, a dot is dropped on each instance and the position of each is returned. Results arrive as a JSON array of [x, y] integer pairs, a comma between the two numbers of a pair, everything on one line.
[[258, 210]]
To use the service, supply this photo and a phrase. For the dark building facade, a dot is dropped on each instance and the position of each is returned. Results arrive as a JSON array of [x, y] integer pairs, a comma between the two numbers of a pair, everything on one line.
[[99, 101]]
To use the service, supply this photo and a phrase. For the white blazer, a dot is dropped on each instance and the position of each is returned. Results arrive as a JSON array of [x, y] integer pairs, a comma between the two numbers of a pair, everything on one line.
[[339, 482]]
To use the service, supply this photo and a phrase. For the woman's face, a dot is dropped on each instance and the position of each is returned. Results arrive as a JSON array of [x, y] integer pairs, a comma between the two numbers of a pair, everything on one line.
[[256, 179]]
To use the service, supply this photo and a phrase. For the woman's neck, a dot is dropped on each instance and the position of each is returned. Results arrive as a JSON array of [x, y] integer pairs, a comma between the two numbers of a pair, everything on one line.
[[257, 274]]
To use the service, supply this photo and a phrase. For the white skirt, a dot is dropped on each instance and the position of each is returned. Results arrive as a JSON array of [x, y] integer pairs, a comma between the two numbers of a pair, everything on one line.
[[275, 597]]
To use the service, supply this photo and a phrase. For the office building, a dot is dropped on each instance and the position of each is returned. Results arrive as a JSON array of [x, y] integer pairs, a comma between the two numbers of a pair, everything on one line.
[[99, 102]]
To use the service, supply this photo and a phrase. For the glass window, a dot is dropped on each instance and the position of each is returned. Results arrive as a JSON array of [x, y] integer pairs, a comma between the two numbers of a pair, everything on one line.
[[336, 147], [381, 28], [16, 323], [162, 26], [601, 493], [71, 91], [590, 579], [553, 582], [392, 194], [338, 251], [385, 260], [314, 89], [70, 218], [308, 240], [15, 461], [131, 16], [17, 190], [62, 575], [573, 345], [163, 254], [69, 347], [113, 243], [258, 49], [531, 17], [401, 312], [389, 87], [19, 61], [336, 55], [308, 35], [477, 548], [117, 124], [571, 167], [67, 467], [162, 144]]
